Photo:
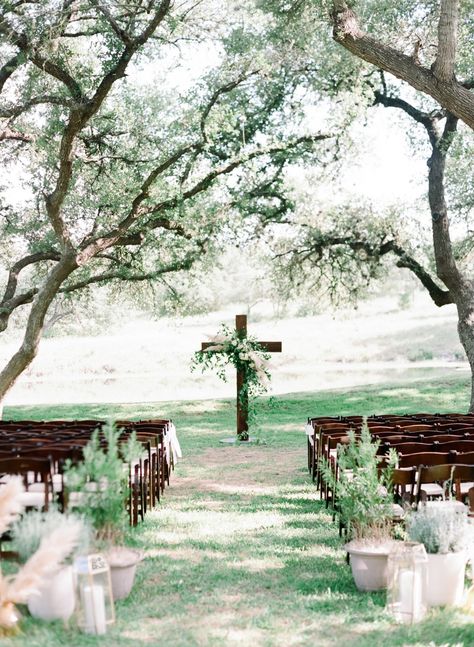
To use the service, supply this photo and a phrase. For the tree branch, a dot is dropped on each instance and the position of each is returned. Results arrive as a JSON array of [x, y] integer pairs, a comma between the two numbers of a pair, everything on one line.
[[228, 87], [225, 169], [81, 115], [451, 94], [443, 67], [8, 133], [121, 33], [439, 296], [20, 265], [428, 120], [446, 267], [10, 66], [313, 252], [15, 111], [120, 275]]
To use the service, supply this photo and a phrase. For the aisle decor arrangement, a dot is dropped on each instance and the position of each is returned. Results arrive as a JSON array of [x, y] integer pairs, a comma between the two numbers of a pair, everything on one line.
[[443, 528], [363, 503], [99, 488], [55, 598], [245, 353], [54, 547]]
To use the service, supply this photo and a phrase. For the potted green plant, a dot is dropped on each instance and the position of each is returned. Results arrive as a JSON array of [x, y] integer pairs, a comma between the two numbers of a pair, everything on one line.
[[443, 527], [364, 506], [98, 488], [54, 599]]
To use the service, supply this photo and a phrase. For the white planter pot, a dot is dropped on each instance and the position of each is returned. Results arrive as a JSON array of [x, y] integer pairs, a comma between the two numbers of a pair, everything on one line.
[[369, 564], [123, 565], [446, 579], [56, 598]]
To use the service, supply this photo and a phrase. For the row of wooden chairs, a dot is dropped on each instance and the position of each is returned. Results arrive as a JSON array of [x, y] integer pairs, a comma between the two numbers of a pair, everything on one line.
[[392, 431], [431, 453], [38, 450]]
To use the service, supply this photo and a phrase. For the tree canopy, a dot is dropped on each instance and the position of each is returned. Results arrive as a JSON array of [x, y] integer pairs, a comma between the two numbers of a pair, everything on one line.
[[116, 171]]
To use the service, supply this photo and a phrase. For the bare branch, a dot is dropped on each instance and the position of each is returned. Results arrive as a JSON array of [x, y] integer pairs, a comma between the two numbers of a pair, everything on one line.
[[7, 133]]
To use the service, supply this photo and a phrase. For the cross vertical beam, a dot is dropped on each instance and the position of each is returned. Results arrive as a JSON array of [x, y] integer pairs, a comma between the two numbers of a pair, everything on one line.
[[242, 398]]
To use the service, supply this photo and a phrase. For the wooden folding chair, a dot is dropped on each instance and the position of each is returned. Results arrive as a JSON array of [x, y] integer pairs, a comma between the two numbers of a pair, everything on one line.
[[33, 471], [403, 483], [434, 481], [463, 481]]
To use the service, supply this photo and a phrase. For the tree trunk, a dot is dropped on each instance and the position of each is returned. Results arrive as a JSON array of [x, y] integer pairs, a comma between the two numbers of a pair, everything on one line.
[[34, 328], [466, 335], [460, 288]]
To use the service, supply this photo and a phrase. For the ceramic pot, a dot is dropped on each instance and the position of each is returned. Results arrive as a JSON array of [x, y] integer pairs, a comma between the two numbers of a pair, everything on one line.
[[369, 564], [123, 565]]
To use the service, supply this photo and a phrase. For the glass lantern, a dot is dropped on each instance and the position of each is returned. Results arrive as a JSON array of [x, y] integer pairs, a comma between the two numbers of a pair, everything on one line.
[[95, 600], [407, 582]]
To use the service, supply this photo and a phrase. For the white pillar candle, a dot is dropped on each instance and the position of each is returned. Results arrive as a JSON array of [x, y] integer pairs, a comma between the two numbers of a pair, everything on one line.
[[410, 587], [94, 609], [405, 584]]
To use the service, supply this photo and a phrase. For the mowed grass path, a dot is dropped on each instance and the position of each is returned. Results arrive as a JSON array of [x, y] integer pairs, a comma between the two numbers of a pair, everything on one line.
[[241, 552]]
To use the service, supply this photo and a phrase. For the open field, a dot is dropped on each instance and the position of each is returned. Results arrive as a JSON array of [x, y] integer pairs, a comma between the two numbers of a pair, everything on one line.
[[241, 552], [149, 361]]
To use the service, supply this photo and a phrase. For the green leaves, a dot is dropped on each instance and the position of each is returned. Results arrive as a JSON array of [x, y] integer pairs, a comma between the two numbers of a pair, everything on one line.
[[101, 480], [363, 498], [246, 355]]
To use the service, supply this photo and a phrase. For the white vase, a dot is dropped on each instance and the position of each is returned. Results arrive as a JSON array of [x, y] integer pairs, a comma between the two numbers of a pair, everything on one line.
[[446, 579], [56, 598]]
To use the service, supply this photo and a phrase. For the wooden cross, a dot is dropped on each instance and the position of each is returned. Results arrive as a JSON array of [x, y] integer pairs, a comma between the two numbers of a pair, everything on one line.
[[242, 403]]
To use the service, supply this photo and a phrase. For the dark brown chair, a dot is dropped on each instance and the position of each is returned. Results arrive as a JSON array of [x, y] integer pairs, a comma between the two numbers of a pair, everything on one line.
[[465, 458], [411, 427], [463, 481], [434, 481], [458, 445], [318, 441], [36, 474], [404, 447], [403, 483], [471, 502], [423, 458]]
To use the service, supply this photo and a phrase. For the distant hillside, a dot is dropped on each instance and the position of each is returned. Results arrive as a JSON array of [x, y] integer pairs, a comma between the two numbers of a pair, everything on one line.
[[148, 361]]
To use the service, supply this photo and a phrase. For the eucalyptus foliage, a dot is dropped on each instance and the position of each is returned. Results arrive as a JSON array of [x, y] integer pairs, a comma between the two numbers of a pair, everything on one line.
[[247, 356]]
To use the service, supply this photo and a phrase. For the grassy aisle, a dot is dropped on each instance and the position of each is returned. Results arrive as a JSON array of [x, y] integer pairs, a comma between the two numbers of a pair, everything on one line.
[[242, 553]]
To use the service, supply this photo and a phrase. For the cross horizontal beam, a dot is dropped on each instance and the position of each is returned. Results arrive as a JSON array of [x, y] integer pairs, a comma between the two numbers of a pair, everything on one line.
[[267, 346]]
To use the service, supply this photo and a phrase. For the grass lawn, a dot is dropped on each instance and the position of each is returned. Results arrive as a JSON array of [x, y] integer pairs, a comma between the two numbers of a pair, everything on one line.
[[240, 551]]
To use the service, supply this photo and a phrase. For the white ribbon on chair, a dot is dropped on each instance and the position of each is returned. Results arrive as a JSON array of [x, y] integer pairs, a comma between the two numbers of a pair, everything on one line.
[[174, 442], [309, 429]]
